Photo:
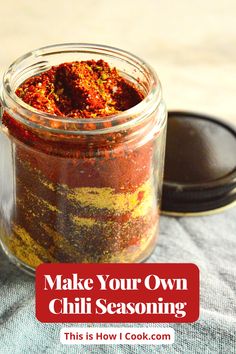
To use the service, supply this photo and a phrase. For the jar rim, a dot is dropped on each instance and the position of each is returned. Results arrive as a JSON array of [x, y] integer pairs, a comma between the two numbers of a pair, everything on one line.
[[139, 112]]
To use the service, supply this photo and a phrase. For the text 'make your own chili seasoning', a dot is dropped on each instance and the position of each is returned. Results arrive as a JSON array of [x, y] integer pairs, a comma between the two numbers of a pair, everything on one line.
[[83, 136]]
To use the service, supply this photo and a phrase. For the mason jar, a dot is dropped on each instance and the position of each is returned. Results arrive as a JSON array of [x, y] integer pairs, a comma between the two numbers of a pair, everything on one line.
[[80, 190]]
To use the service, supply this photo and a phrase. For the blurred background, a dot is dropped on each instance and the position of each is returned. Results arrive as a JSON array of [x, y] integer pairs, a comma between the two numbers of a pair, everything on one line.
[[190, 43]]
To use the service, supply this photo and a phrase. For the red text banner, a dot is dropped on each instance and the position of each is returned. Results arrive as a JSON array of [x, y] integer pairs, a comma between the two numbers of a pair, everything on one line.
[[148, 292]]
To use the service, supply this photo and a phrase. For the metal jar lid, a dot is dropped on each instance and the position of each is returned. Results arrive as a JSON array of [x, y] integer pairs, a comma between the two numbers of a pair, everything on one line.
[[200, 165]]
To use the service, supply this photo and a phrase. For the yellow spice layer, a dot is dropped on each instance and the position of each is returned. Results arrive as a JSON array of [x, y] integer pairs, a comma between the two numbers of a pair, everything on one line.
[[139, 204], [22, 247], [119, 203]]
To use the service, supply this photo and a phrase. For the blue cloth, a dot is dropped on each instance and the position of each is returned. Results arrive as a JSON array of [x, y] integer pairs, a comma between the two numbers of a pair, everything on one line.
[[209, 242]]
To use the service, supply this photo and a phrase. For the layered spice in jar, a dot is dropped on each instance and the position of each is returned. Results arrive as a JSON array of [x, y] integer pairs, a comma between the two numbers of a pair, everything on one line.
[[84, 144]]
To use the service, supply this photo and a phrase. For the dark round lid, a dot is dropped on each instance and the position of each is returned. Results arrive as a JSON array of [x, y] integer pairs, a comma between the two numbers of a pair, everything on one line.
[[200, 164]]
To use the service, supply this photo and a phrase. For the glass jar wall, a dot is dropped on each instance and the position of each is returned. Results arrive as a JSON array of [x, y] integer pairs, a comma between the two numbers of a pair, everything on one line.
[[69, 193]]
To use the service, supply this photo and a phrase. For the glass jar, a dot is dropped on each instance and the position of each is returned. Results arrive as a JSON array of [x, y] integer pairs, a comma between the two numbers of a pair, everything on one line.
[[76, 190]]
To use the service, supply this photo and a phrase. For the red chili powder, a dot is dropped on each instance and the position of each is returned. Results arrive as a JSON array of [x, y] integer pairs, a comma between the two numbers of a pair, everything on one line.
[[85, 89]]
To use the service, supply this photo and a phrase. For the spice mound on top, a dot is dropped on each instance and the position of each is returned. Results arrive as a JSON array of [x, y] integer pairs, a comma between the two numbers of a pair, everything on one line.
[[80, 89]]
